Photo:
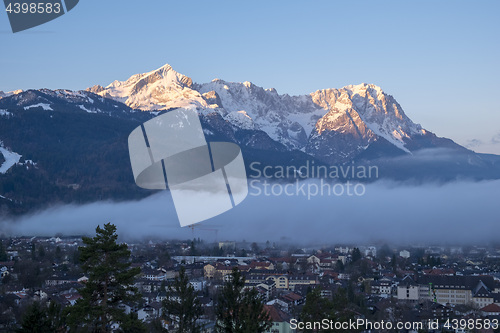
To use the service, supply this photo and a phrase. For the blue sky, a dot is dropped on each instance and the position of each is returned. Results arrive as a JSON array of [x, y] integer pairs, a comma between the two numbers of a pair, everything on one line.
[[439, 59]]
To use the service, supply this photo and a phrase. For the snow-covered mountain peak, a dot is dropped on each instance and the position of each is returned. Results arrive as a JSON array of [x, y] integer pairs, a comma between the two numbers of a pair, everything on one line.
[[363, 88], [10, 93], [164, 69], [367, 112], [160, 89]]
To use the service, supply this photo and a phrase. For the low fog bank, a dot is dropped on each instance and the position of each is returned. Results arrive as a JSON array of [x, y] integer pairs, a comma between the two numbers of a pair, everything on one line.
[[454, 213]]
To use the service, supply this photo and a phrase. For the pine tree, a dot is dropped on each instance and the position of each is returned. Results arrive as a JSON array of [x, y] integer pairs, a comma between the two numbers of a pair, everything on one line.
[[57, 322], [33, 251], [192, 251], [3, 254], [58, 254], [35, 320], [181, 305], [156, 326], [40, 319], [339, 266], [132, 324], [41, 252], [394, 263], [238, 310], [76, 257], [356, 254], [316, 308], [107, 265], [342, 303]]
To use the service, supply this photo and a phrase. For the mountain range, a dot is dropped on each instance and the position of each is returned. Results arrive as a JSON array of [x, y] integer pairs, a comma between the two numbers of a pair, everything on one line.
[[72, 145], [331, 125]]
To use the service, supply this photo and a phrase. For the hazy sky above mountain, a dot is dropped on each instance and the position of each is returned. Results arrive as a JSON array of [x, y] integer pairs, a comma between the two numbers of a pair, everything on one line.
[[438, 59]]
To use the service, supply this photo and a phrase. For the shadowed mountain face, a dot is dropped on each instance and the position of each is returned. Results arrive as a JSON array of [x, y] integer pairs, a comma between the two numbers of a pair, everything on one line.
[[73, 145]]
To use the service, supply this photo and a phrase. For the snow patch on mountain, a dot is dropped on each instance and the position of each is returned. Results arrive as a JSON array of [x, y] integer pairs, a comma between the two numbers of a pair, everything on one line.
[[44, 106], [87, 110], [11, 158], [70, 93], [5, 113], [2, 197], [240, 119]]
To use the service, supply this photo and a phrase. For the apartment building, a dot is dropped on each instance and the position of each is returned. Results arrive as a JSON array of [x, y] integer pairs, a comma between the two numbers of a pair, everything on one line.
[[474, 290]]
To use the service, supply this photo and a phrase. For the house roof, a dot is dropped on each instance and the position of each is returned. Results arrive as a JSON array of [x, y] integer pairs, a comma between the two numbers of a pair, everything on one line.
[[255, 264], [276, 314], [292, 296], [491, 308], [467, 282], [408, 281], [156, 305], [481, 290], [73, 297], [439, 271], [282, 259]]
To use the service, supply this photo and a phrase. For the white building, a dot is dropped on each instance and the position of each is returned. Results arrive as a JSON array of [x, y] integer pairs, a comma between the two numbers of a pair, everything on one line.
[[404, 254], [371, 251], [198, 285], [408, 290]]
